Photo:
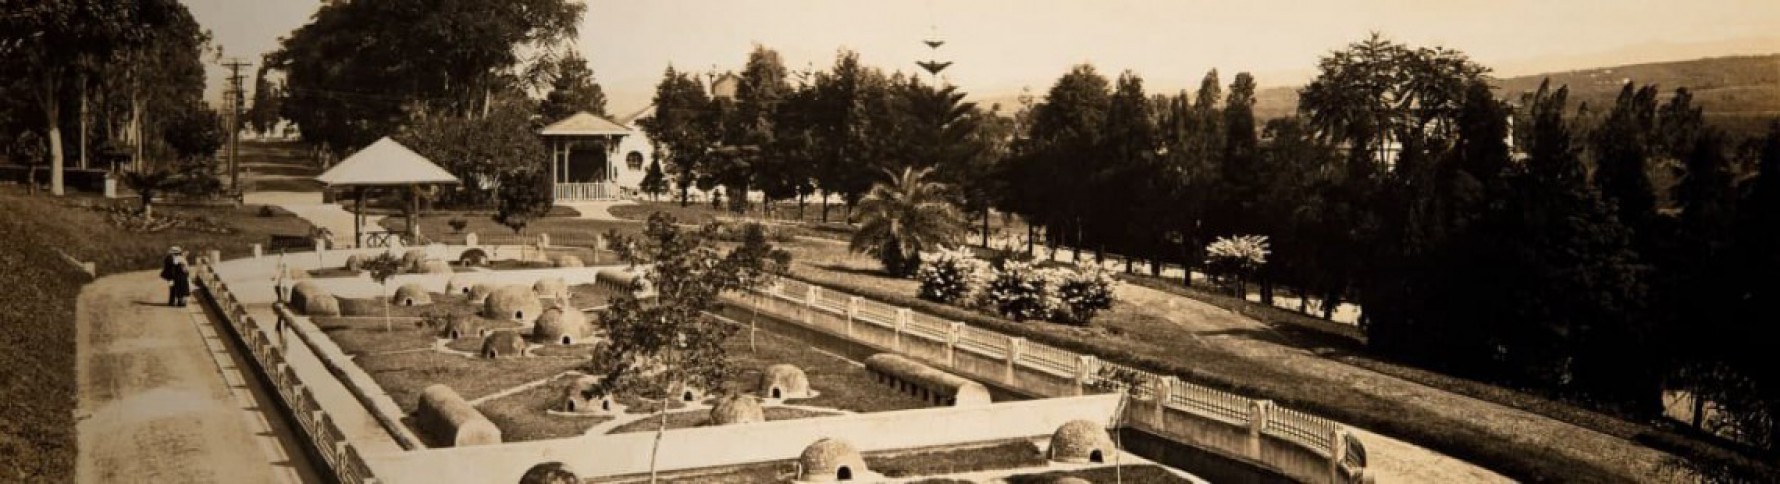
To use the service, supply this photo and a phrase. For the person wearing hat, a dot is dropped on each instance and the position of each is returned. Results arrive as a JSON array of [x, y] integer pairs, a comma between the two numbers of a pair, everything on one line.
[[178, 277]]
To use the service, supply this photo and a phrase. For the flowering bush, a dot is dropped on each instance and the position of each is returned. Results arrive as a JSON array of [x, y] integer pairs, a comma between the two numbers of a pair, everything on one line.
[[1083, 293], [1232, 258], [1021, 292], [951, 276]]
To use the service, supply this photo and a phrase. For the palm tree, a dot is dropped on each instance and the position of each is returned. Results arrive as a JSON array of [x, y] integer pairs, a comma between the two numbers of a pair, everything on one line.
[[901, 219], [147, 184]]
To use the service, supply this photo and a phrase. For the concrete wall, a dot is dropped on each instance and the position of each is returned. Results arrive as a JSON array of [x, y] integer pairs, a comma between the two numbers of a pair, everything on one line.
[[608, 455]]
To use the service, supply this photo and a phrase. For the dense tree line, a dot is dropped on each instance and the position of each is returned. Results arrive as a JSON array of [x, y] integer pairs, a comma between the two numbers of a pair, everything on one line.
[[826, 135], [1601, 254], [96, 83]]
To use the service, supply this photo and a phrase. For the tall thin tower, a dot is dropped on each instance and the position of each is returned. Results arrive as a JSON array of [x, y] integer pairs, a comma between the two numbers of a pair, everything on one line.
[[933, 65]]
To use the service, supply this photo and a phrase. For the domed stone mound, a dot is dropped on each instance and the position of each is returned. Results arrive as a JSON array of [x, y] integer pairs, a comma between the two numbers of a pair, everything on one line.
[[459, 327], [784, 381], [1081, 441], [411, 294], [737, 409], [452, 421], [457, 286], [553, 288], [503, 344], [435, 266], [549, 473], [323, 305], [295, 274], [513, 302], [355, 263], [473, 258], [582, 396], [412, 258], [562, 326], [831, 460], [567, 261], [303, 292], [479, 292]]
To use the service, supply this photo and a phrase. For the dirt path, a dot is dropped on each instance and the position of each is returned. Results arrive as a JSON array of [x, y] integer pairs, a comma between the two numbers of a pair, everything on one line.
[[163, 398]]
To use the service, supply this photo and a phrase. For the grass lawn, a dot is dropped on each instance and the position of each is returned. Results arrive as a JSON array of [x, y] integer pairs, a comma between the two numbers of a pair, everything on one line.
[[840, 384], [404, 375], [525, 415], [1144, 474], [87, 235], [1012, 454], [37, 340], [367, 336], [1267, 364]]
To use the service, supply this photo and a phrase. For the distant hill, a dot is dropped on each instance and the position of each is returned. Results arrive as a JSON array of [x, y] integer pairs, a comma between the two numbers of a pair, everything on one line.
[[1739, 93]]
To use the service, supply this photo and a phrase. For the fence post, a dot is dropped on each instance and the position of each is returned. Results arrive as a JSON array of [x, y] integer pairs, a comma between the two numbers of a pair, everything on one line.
[[902, 324], [1085, 368], [215, 257], [1337, 451], [1015, 346], [952, 335], [852, 312], [256, 251], [1164, 391], [1260, 411]]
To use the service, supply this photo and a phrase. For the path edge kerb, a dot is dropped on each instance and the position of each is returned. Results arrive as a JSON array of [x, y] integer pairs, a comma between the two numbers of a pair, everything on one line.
[[324, 441]]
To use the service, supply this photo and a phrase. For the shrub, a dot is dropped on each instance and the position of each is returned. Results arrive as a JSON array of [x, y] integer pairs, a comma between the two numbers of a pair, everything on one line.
[[457, 224], [1231, 259], [1021, 292], [950, 276], [1084, 293]]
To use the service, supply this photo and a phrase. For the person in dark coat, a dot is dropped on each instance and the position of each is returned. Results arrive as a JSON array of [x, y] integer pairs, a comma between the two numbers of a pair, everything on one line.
[[178, 277]]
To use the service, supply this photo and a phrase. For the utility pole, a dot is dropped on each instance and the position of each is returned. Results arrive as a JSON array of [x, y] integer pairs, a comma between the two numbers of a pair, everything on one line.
[[236, 97]]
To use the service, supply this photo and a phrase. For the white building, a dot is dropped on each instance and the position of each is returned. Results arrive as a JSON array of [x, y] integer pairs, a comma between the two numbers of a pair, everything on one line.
[[593, 157]]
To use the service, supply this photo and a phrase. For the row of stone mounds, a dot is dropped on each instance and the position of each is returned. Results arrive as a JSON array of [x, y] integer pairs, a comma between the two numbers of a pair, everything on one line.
[[777, 382]]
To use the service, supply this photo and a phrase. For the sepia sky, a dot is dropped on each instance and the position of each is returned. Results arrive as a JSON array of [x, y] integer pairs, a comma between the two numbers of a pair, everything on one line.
[[1000, 46]]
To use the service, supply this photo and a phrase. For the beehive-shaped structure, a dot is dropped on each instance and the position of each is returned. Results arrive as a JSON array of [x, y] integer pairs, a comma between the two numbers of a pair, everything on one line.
[[503, 344], [737, 409], [831, 460], [411, 294], [1081, 441], [552, 288], [562, 326], [515, 303], [783, 381]]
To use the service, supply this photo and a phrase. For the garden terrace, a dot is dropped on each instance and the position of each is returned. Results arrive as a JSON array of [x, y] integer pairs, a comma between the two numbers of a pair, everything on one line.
[[1236, 355]]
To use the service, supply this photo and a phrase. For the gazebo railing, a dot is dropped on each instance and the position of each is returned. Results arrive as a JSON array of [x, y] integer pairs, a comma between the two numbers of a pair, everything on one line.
[[587, 191]]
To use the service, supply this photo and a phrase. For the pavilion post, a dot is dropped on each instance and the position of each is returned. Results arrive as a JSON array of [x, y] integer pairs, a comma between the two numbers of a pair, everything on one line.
[[358, 219], [414, 213]]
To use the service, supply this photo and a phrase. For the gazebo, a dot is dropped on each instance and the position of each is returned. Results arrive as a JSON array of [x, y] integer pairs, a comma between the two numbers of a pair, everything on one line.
[[386, 163], [583, 151]]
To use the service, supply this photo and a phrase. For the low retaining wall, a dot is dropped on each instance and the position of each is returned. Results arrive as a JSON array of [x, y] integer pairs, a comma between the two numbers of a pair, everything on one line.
[[700, 447], [1298, 445], [324, 438]]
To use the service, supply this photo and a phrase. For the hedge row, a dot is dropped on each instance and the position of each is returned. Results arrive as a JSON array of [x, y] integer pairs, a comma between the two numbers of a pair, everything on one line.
[[1458, 438]]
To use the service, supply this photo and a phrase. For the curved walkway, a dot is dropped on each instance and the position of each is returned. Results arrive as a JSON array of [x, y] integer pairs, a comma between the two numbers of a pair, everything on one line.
[[163, 398], [598, 210]]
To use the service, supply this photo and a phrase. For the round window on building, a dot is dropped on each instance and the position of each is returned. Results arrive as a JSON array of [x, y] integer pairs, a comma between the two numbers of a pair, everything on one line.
[[634, 160]]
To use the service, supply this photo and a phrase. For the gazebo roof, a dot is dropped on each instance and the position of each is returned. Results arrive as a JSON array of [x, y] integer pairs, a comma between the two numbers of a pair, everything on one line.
[[385, 162], [585, 124]]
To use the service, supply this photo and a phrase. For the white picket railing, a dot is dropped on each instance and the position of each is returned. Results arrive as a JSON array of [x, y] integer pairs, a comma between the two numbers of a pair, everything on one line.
[[1302, 429], [587, 191], [327, 439]]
